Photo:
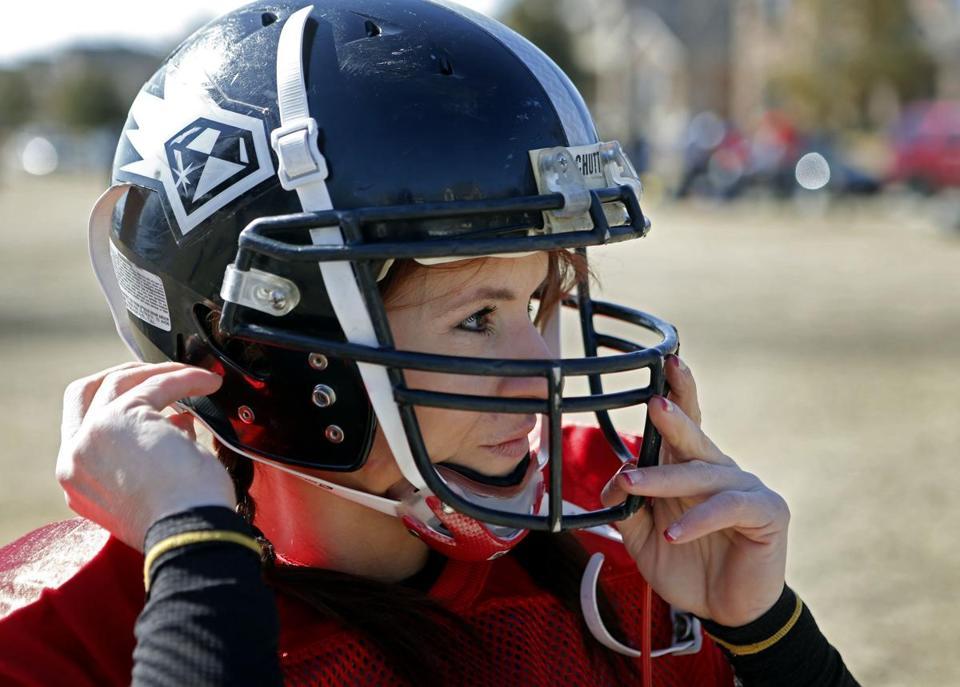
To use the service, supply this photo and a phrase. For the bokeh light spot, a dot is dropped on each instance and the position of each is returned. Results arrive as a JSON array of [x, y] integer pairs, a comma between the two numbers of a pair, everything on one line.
[[813, 171], [39, 157]]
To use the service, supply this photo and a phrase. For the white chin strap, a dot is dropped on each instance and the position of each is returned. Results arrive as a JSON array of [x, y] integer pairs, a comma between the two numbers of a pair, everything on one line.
[[302, 168], [591, 615]]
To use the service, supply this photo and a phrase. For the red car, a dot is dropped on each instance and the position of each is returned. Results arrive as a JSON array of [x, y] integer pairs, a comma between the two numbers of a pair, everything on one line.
[[926, 145]]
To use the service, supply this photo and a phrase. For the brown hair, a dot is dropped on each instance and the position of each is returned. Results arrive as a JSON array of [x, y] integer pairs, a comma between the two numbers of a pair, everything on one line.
[[432, 632]]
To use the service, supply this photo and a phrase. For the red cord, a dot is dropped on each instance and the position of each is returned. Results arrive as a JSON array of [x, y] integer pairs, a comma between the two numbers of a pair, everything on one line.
[[646, 625]]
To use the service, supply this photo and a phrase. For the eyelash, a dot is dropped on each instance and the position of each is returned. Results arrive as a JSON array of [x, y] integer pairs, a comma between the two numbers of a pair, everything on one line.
[[481, 317]]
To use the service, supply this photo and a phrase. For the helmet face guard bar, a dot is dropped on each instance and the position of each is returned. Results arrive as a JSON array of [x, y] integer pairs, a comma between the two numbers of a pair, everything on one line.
[[254, 241]]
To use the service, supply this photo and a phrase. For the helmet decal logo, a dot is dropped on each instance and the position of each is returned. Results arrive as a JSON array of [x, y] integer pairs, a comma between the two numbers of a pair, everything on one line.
[[208, 157], [203, 155]]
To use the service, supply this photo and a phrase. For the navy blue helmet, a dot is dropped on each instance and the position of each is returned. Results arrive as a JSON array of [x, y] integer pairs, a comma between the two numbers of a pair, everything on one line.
[[273, 169]]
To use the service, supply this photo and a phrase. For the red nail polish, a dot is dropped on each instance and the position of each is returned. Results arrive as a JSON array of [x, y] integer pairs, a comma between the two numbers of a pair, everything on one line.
[[665, 405], [669, 536]]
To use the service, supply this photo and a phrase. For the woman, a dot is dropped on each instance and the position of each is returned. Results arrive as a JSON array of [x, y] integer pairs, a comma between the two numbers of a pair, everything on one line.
[[444, 168]]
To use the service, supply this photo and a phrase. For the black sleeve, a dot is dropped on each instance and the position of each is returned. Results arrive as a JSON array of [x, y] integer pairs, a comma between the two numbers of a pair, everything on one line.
[[209, 618], [801, 657]]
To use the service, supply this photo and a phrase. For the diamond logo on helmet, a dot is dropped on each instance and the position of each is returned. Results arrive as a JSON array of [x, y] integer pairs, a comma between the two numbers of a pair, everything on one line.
[[207, 158], [202, 155]]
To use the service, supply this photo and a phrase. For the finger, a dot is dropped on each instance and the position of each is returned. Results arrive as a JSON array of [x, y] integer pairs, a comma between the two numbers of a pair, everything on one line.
[[686, 439], [613, 492], [680, 480], [184, 422], [162, 390], [754, 514], [613, 495], [78, 395], [119, 382], [683, 388]]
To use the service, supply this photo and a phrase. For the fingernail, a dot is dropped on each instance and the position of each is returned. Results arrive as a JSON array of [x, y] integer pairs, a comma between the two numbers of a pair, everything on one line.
[[678, 363], [633, 476], [665, 405], [672, 533]]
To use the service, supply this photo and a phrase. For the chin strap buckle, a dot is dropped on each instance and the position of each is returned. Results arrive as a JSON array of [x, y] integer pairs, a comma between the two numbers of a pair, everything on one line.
[[298, 154], [687, 632]]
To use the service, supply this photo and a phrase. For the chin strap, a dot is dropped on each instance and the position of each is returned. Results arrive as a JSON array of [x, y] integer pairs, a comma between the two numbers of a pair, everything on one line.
[[687, 633], [302, 168]]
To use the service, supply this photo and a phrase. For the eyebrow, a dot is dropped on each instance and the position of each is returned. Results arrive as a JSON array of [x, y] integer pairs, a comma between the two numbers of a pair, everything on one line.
[[484, 293]]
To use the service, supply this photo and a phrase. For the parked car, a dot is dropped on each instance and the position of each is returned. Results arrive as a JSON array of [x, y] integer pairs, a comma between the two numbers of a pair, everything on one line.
[[926, 145]]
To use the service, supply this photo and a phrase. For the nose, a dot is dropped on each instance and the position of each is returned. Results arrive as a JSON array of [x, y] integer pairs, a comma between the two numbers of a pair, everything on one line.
[[529, 344]]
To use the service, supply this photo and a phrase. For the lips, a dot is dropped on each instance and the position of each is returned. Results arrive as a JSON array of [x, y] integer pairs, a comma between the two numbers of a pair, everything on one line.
[[510, 440], [510, 459], [512, 450]]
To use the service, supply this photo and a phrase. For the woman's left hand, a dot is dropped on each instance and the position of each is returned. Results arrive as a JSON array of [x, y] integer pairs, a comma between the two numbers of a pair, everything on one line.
[[712, 538]]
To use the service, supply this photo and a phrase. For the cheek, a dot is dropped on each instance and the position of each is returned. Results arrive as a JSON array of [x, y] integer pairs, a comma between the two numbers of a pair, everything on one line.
[[445, 431]]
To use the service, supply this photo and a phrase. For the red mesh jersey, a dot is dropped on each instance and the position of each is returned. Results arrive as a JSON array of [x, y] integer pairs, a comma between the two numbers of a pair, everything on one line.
[[526, 637], [69, 597]]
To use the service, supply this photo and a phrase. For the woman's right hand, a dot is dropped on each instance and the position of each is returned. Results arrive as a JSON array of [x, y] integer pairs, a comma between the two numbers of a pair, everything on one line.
[[122, 463]]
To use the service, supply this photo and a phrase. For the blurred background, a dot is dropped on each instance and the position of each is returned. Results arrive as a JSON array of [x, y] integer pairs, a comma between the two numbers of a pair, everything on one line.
[[801, 162]]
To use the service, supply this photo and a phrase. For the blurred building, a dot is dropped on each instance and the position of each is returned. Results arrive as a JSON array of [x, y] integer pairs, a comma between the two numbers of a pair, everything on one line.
[[637, 73], [673, 56], [754, 61], [705, 32], [940, 23], [655, 64]]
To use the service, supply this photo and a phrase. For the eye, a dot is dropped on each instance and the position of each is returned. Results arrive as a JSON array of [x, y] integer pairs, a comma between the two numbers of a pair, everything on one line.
[[478, 322]]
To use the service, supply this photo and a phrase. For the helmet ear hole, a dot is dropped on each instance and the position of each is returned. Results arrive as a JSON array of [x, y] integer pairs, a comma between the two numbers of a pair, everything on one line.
[[248, 358], [252, 357]]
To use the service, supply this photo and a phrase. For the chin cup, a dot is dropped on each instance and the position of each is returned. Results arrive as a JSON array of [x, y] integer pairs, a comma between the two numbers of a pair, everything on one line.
[[459, 536]]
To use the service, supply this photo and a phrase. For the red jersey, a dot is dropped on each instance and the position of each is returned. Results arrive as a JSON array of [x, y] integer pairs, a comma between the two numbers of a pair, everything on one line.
[[70, 595]]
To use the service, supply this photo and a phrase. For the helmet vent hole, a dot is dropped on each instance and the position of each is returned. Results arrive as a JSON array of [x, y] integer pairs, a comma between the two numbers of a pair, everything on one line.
[[446, 66], [268, 18], [372, 29]]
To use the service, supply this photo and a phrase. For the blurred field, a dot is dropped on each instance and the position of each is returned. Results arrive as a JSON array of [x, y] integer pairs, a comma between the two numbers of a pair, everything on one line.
[[826, 346]]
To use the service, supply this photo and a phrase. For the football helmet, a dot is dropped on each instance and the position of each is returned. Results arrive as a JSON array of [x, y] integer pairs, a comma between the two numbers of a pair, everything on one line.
[[270, 172]]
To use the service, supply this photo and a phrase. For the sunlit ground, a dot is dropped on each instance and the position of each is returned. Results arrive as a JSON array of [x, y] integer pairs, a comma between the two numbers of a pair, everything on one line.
[[826, 342]]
